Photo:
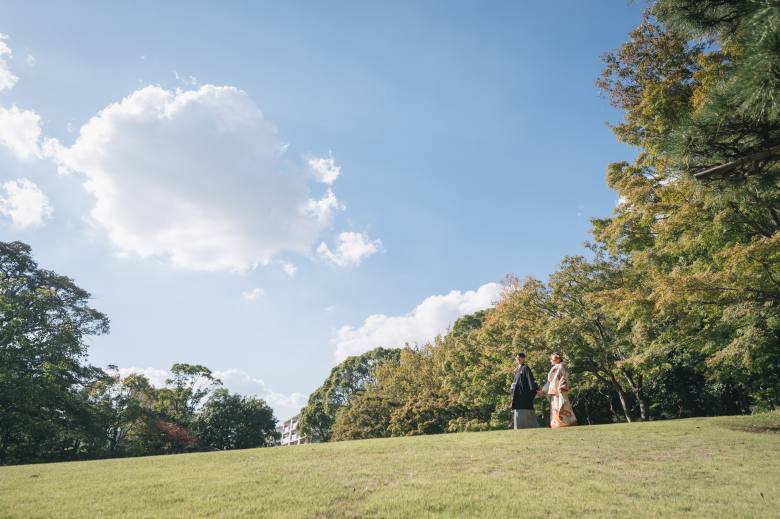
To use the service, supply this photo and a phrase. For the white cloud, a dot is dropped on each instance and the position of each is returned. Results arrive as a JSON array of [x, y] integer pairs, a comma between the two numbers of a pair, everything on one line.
[[430, 318], [237, 381], [284, 405], [289, 269], [20, 132], [325, 168], [351, 249], [24, 203], [156, 376], [324, 208], [30, 60], [7, 78], [251, 295], [198, 177]]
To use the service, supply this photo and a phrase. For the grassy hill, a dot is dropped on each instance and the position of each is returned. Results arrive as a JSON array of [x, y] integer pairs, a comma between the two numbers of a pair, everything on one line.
[[700, 467]]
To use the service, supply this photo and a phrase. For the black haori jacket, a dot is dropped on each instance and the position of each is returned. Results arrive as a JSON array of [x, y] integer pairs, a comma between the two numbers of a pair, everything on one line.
[[524, 388]]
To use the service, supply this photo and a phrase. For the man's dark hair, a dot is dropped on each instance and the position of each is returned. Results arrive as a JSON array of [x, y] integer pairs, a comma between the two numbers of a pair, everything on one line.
[[520, 354]]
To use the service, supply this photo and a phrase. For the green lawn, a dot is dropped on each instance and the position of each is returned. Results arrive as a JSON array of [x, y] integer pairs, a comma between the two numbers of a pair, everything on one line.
[[698, 467]]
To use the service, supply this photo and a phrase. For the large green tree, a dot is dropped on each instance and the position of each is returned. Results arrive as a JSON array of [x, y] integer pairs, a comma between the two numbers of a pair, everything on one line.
[[349, 377], [44, 322], [177, 404], [123, 410], [423, 392], [417, 385], [187, 388], [732, 132], [231, 421], [702, 241]]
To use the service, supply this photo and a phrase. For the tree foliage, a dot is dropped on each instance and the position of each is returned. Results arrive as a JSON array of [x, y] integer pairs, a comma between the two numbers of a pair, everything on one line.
[[235, 422], [44, 321], [54, 406], [686, 239], [345, 380], [676, 309]]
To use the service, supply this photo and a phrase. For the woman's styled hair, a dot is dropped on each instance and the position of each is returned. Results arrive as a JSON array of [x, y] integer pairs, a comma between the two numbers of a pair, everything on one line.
[[555, 355]]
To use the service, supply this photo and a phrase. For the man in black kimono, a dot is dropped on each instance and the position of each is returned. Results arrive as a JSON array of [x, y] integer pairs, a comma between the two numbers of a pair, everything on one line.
[[524, 389]]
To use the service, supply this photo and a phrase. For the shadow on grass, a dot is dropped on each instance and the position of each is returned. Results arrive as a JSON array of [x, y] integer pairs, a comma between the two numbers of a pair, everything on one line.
[[760, 429], [766, 422]]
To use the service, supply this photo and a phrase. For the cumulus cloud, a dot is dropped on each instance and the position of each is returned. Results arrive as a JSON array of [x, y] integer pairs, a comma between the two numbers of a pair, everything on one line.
[[237, 381], [24, 203], [325, 169], [199, 177], [7, 78], [20, 132], [430, 318], [289, 269], [155, 376], [251, 295], [351, 249], [324, 208]]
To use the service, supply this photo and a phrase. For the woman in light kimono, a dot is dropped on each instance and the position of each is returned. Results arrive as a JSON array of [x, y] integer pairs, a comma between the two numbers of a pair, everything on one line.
[[557, 387]]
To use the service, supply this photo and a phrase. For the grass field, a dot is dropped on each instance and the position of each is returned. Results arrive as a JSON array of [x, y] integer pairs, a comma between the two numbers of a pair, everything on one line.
[[722, 467]]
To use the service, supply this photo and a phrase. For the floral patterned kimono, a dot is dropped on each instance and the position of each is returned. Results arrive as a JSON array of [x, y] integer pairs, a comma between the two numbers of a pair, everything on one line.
[[557, 387]]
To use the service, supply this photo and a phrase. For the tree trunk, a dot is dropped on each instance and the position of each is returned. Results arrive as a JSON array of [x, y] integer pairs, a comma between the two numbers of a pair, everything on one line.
[[642, 406], [729, 167], [636, 388], [4, 448], [623, 404], [113, 442], [608, 377], [587, 412], [612, 408], [621, 395]]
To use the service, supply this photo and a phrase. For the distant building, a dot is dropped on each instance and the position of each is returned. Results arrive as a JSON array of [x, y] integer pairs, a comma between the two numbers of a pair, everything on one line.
[[289, 432]]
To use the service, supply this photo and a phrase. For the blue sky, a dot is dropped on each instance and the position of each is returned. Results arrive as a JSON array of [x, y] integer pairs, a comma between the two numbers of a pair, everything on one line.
[[400, 157]]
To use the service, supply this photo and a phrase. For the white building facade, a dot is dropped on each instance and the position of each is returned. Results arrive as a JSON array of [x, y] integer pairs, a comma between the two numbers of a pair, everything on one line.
[[289, 432]]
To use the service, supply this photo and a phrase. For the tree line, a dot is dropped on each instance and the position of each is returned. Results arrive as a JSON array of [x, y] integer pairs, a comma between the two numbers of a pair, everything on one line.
[[675, 309], [54, 406]]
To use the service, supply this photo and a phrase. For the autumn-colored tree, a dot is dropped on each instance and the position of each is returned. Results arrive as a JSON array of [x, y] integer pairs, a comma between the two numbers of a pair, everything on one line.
[[367, 416], [701, 249], [417, 384]]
